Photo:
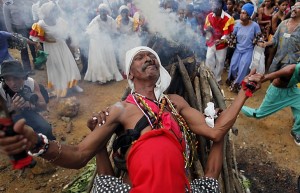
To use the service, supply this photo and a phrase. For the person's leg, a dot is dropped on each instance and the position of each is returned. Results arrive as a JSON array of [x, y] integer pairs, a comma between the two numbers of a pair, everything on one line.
[[210, 60], [296, 113], [31, 47], [24, 52], [212, 170], [243, 68], [37, 122], [220, 60], [275, 100], [84, 61], [233, 69]]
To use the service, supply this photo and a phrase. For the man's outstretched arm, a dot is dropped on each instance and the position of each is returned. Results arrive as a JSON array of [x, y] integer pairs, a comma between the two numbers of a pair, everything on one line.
[[65, 155], [225, 121]]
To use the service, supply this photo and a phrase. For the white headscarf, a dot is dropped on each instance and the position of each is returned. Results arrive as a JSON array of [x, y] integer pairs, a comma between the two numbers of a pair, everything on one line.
[[46, 9], [123, 7], [164, 79], [104, 6]]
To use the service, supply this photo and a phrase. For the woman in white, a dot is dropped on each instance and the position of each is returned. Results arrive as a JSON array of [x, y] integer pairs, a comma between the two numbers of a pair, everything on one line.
[[102, 64], [128, 39], [62, 69]]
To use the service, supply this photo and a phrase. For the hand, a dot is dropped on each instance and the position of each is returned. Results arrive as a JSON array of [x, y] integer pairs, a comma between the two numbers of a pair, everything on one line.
[[37, 46], [25, 139], [261, 44], [217, 42], [19, 102], [98, 119], [254, 77]]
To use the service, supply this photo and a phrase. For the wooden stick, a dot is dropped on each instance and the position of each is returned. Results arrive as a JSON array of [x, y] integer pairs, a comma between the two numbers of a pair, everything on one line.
[[187, 83]]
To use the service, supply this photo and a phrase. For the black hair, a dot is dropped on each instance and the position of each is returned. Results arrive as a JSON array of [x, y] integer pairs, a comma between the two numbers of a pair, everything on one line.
[[282, 1]]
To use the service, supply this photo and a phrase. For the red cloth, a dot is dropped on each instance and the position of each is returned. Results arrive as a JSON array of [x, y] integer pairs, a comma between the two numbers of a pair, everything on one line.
[[21, 163], [221, 26], [155, 162], [7, 123]]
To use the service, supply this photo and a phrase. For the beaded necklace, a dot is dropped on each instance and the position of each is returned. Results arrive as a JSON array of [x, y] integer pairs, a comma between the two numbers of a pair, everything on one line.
[[156, 123]]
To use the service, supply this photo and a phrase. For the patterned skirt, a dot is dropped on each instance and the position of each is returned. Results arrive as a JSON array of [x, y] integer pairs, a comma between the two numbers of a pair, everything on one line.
[[110, 184]]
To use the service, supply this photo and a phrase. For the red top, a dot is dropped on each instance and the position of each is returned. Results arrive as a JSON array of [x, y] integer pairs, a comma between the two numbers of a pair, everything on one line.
[[222, 25], [155, 162]]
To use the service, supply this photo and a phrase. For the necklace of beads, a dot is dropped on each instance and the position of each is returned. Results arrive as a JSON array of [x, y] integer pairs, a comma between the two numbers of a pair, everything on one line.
[[189, 136], [156, 123]]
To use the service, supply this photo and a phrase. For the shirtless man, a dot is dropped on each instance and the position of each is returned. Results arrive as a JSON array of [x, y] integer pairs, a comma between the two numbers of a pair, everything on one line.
[[159, 144]]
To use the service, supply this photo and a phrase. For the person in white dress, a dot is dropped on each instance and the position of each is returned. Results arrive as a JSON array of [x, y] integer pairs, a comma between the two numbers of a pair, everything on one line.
[[128, 39], [102, 64], [52, 30]]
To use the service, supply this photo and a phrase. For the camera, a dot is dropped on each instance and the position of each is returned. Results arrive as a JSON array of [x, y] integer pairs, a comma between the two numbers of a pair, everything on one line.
[[28, 95]]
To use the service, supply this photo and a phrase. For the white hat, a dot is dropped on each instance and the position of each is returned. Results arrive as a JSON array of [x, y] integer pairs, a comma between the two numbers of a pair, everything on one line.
[[105, 7], [164, 79]]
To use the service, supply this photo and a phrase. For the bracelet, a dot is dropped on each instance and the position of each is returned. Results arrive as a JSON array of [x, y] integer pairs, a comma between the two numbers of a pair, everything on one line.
[[40, 147], [59, 152]]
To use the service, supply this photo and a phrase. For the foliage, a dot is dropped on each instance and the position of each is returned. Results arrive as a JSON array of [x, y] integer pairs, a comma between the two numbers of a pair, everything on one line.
[[82, 181]]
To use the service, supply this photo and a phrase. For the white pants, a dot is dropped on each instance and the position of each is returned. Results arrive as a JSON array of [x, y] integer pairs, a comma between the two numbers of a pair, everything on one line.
[[215, 60]]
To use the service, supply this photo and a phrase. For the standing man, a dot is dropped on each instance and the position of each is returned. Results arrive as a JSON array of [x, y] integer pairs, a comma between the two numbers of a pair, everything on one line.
[[161, 143], [18, 19], [218, 25], [287, 40]]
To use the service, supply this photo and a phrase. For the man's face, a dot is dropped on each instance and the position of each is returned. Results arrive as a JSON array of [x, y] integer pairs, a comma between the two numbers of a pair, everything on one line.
[[14, 83], [144, 66], [216, 7], [296, 10]]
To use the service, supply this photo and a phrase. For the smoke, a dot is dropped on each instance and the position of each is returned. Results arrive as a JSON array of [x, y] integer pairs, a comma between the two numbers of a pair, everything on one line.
[[165, 23], [79, 14]]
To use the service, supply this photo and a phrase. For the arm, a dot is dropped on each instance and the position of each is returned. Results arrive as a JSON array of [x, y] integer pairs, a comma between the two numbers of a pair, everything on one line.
[[70, 156], [284, 72], [196, 120], [7, 18], [225, 121], [274, 22], [259, 19], [103, 163], [41, 103]]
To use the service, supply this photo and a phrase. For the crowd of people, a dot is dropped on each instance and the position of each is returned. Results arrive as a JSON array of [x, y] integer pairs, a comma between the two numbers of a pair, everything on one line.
[[110, 37]]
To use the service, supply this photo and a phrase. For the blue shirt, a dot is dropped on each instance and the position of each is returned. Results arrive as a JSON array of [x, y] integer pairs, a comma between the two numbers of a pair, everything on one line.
[[245, 35], [4, 55]]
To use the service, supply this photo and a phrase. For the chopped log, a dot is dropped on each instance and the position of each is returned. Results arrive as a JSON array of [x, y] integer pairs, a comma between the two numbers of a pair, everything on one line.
[[187, 83], [206, 97], [198, 93]]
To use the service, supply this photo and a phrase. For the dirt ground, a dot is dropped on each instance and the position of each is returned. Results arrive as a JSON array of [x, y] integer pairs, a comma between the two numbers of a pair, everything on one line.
[[264, 148]]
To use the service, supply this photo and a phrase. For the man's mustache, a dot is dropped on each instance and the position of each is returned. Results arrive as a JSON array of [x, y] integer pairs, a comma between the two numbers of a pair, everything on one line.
[[148, 63]]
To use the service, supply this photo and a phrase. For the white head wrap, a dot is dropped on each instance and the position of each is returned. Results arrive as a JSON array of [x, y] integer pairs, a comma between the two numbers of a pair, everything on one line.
[[123, 7], [104, 6], [45, 9], [164, 79]]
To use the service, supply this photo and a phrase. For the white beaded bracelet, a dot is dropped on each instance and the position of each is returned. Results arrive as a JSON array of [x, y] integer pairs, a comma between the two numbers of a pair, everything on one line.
[[41, 146]]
